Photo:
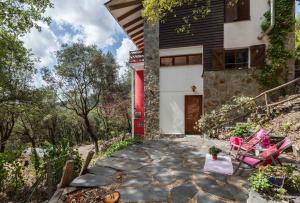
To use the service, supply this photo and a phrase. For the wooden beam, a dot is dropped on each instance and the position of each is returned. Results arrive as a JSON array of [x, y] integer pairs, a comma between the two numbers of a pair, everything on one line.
[[124, 5], [133, 11], [139, 42], [141, 47], [87, 161], [133, 22], [136, 34], [135, 28], [138, 38], [67, 176]]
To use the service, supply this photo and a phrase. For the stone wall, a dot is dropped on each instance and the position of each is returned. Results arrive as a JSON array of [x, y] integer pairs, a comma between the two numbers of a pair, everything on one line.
[[221, 86], [151, 77]]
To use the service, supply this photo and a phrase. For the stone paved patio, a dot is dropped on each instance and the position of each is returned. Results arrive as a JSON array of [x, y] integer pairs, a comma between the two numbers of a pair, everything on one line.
[[167, 171]]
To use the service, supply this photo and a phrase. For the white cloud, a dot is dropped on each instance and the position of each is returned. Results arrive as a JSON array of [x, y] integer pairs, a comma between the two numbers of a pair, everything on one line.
[[122, 56], [43, 45], [89, 17]]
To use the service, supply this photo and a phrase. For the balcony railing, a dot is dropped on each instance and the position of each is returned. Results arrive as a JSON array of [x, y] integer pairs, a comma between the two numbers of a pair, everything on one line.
[[136, 56]]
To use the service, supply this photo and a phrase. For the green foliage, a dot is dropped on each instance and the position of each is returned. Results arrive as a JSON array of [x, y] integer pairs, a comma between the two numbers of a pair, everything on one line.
[[213, 121], [156, 11], [286, 127], [122, 145], [11, 173], [19, 16], [56, 158], [214, 151], [277, 53], [259, 181], [241, 130]]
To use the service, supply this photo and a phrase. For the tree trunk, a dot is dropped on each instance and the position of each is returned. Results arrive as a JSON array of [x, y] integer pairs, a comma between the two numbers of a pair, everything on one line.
[[2, 146], [91, 133]]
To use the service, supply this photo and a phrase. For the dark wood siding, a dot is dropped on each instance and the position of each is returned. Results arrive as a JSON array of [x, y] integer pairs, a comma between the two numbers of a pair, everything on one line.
[[208, 31]]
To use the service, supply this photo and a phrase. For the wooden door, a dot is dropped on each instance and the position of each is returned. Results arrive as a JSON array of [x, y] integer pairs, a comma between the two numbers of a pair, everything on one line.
[[193, 112]]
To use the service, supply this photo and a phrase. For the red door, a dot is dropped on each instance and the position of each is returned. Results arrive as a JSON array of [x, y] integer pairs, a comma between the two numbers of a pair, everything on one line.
[[193, 112]]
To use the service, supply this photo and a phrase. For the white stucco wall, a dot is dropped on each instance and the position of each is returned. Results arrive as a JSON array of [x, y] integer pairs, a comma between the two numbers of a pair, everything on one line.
[[175, 83], [244, 33]]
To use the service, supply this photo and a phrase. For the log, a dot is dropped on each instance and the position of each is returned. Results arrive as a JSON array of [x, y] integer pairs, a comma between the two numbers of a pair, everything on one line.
[[87, 161], [67, 176]]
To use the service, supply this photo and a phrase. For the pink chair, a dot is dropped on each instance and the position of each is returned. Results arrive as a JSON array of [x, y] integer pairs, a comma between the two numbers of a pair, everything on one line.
[[269, 156], [248, 144]]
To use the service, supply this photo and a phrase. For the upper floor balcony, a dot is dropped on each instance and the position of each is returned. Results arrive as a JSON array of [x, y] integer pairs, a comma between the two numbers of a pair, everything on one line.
[[136, 57]]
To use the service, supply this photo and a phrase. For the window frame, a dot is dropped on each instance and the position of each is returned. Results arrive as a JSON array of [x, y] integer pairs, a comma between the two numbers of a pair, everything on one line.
[[187, 60], [235, 51]]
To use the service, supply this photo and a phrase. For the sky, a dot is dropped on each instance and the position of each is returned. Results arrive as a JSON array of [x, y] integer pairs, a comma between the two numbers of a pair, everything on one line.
[[85, 20], [74, 20]]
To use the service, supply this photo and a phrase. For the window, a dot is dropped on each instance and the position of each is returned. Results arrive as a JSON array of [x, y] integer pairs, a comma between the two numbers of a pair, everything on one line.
[[195, 59], [181, 60], [237, 11], [236, 59], [166, 61]]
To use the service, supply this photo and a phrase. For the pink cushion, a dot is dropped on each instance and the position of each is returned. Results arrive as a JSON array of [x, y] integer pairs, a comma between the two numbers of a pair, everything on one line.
[[268, 152], [249, 160]]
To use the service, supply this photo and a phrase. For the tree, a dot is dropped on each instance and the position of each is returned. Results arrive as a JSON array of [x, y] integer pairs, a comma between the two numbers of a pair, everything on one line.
[[297, 29], [81, 76], [19, 16], [16, 63], [9, 115]]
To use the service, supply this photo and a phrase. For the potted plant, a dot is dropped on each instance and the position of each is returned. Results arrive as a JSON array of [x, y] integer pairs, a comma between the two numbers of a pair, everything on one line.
[[214, 151]]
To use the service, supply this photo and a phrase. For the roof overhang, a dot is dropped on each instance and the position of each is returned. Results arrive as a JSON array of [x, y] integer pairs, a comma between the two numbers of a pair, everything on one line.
[[128, 14]]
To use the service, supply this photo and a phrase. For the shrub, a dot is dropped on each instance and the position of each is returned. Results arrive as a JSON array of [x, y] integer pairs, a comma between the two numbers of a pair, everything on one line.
[[275, 181], [11, 173], [211, 123], [241, 130], [55, 160], [122, 145]]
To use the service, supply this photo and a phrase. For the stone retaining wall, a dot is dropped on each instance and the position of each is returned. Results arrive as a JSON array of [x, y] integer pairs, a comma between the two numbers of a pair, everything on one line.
[[221, 86]]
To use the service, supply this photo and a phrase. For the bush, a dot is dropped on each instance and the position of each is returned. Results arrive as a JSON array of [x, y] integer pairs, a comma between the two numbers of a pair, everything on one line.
[[122, 145], [275, 181], [213, 122], [55, 160], [11, 173], [241, 130]]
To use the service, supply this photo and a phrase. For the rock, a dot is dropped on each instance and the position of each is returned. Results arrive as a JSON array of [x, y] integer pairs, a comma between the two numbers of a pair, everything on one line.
[[120, 164], [211, 186], [203, 197], [183, 193], [91, 180], [138, 155], [102, 171], [145, 194]]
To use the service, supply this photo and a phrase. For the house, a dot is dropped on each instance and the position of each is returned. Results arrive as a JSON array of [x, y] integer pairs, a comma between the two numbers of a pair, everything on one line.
[[179, 76]]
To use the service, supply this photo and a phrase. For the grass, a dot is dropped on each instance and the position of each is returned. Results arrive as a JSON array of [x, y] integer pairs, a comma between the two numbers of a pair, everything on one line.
[[122, 145]]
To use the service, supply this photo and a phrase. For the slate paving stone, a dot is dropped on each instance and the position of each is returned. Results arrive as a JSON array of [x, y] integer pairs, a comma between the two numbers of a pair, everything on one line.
[[136, 181], [206, 198], [91, 180], [163, 162], [182, 175], [183, 193], [102, 171], [211, 186], [120, 164], [145, 194], [132, 155]]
